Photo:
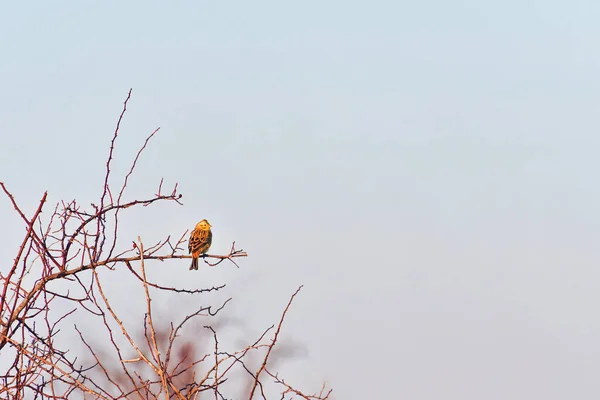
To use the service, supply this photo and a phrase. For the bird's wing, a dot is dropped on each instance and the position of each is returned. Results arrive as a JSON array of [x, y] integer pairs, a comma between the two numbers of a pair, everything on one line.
[[191, 240], [198, 240]]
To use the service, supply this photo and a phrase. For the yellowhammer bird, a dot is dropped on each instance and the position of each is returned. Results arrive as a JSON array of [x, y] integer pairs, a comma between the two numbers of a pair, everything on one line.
[[200, 240]]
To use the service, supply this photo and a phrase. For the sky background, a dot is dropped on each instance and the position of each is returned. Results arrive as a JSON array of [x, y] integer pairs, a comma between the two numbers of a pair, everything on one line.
[[427, 170]]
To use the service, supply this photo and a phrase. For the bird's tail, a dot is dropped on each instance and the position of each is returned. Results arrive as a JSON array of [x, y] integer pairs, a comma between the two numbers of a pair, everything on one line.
[[194, 264]]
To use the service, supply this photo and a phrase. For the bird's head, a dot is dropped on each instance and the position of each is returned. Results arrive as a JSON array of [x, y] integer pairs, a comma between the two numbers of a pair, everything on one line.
[[203, 225]]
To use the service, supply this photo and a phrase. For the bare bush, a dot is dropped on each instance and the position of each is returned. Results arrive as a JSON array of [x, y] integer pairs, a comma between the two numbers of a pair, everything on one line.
[[57, 267]]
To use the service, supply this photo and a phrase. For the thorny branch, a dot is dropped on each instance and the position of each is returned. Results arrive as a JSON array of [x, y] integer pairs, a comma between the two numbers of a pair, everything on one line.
[[70, 263], [264, 364]]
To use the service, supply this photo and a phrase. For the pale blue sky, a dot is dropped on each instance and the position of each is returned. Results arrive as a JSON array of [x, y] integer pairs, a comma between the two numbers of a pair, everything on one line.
[[428, 170]]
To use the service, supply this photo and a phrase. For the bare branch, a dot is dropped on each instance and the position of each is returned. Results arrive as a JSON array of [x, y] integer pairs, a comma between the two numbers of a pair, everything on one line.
[[274, 341]]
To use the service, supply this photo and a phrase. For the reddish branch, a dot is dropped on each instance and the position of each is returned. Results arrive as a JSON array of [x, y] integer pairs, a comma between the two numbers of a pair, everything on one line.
[[264, 364]]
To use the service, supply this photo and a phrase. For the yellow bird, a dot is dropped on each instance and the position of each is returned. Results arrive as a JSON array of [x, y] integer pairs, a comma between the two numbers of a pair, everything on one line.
[[200, 241]]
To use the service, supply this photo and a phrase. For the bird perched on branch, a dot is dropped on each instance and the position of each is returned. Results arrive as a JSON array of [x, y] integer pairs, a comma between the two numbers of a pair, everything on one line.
[[200, 240]]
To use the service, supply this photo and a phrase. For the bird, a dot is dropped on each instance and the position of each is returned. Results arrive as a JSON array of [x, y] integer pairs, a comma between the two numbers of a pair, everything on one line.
[[200, 241]]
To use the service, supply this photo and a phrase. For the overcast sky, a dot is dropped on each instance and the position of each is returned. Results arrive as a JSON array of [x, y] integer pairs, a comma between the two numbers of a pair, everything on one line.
[[428, 170]]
